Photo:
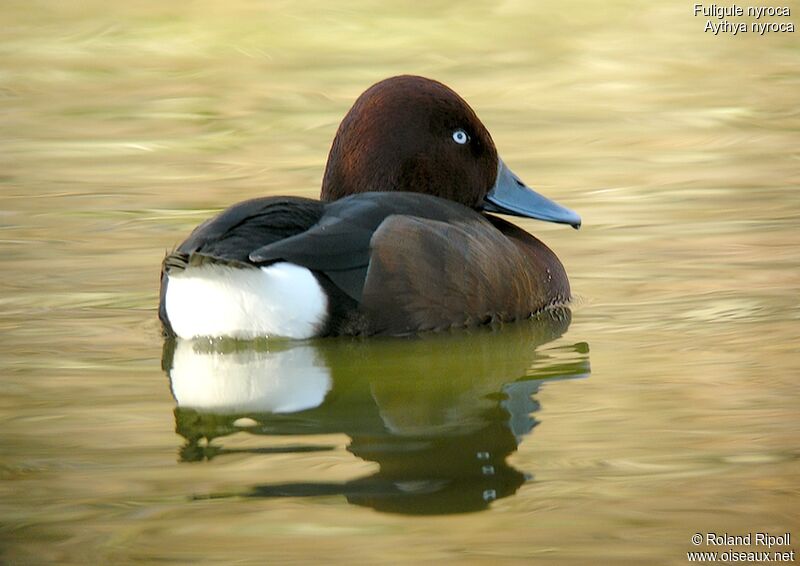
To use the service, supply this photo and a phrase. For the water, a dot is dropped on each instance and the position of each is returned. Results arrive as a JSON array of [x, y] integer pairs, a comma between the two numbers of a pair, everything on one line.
[[665, 405]]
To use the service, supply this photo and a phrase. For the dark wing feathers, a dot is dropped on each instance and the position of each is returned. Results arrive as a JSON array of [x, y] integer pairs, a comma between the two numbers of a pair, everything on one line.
[[339, 240], [321, 248], [229, 237], [340, 244]]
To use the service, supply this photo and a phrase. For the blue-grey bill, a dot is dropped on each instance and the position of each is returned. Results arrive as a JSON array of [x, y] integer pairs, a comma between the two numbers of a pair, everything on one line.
[[511, 196]]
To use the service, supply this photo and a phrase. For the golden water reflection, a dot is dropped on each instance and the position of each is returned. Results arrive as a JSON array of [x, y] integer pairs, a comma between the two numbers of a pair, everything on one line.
[[124, 125], [439, 415]]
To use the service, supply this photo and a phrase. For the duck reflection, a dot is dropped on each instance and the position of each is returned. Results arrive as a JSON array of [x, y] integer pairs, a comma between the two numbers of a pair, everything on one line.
[[440, 414]]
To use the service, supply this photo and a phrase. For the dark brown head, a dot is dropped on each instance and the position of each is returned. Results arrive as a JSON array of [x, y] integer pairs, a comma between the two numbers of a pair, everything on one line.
[[414, 134], [409, 133]]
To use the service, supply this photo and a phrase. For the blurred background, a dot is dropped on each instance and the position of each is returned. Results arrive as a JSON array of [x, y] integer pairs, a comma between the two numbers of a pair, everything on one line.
[[123, 125]]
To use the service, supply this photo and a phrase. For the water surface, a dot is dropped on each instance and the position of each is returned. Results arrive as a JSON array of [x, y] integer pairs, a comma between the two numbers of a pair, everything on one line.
[[664, 405]]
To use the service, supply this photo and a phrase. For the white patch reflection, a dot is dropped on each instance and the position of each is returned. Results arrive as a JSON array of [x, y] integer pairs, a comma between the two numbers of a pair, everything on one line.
[[248, 380]]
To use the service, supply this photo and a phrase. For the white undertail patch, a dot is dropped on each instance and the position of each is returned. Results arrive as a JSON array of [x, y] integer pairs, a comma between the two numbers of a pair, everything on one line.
[[282, 299]]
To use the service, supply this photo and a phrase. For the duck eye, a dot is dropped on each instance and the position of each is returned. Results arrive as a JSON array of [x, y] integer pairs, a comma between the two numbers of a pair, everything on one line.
[[460, 136]]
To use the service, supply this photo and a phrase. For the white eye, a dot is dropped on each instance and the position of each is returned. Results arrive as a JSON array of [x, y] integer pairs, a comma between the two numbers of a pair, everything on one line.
[[460, 136]]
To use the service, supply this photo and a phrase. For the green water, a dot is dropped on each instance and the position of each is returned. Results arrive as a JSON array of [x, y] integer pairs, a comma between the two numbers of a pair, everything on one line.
[[665, 404]]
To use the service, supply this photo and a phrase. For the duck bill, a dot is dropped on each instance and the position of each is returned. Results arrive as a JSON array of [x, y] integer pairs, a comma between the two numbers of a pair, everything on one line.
[[509, 195]]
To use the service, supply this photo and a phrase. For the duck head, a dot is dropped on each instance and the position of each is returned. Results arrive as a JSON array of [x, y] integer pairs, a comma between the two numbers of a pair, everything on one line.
[[409, 133]]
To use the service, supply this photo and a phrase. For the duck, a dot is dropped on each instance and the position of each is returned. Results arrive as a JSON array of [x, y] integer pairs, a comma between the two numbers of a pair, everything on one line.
[[404, 239]]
